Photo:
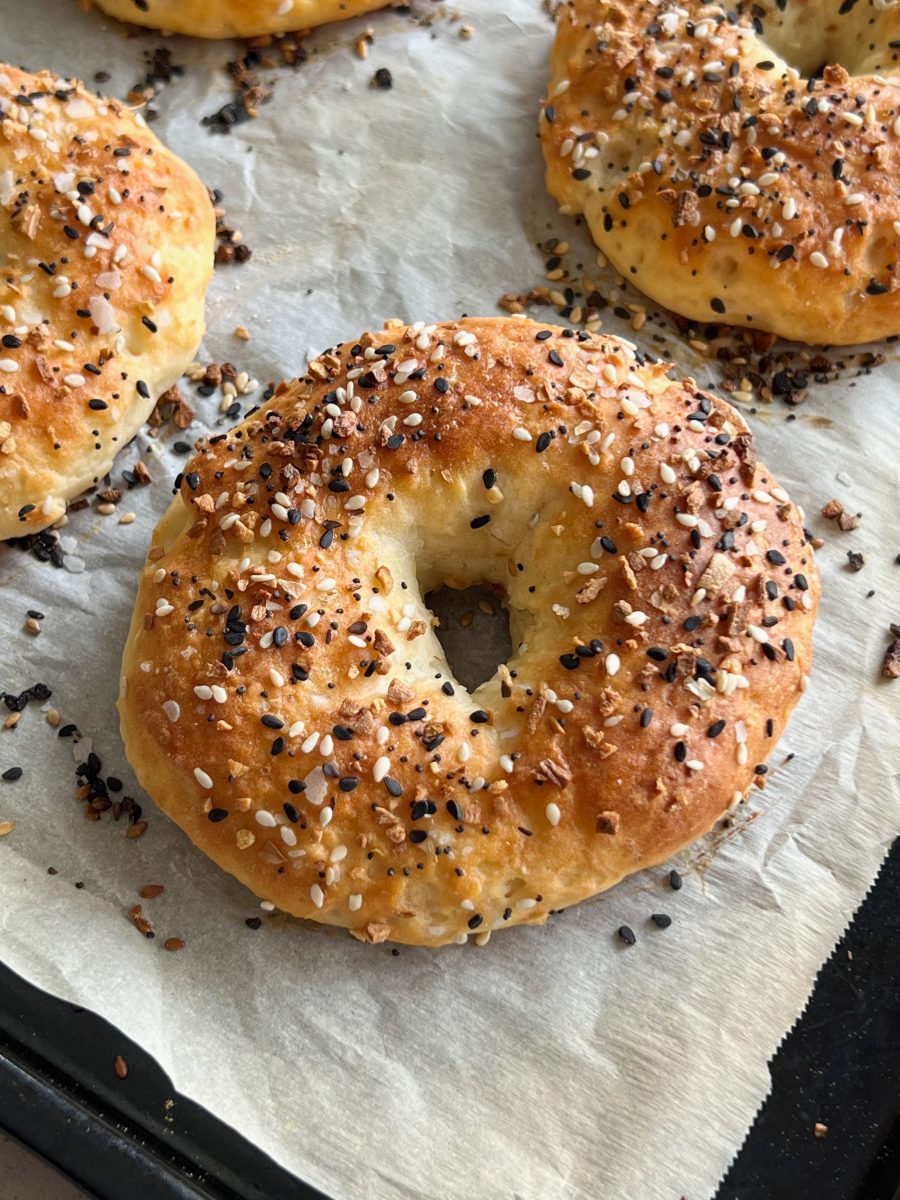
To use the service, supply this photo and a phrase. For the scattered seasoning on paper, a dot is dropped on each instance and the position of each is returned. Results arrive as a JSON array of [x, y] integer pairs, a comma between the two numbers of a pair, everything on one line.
[[675, 881], [819, 1129], [174, 943], [140, 922], [662, 920], [160, 70], [890, 668], [231, 247], [121, 1067], [855, 560], [17, 703], [383, 79], [627, 935], [6, 827], [835, 511]]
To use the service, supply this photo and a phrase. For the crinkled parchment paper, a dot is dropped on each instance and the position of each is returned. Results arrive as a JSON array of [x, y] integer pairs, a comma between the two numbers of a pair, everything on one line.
[[556, 1062]]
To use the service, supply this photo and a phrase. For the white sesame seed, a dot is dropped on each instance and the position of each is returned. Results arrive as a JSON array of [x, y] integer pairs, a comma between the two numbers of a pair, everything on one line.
[[587, 568], [818, 260], [789, 209], [678, 730], [203, 692], [151, 273], [553, 813], [758, 633], [658, 562], [613, 662], [317, 895], [854, 198], [636, 618], [326, 745], [506, 763], [521, 434], [264, 817], [202, 778], [381, 768], [666, 473], [309, 744], [9, 365], [413, 420], [354, 902], [74, 380], [287, 835], [689, 520], [694, 764], [172, 710], [325, 816]]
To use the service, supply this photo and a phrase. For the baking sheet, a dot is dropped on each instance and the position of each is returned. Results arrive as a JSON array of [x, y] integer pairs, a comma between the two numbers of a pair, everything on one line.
[[556, 1062]]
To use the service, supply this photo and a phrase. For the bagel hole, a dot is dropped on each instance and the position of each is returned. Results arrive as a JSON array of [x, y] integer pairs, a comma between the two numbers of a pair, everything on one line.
[[473, 630]]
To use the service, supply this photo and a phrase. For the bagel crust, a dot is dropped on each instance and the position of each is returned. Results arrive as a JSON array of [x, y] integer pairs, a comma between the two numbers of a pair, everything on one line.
[[106, 246], [286, 701], [236, 18], [720, 179]]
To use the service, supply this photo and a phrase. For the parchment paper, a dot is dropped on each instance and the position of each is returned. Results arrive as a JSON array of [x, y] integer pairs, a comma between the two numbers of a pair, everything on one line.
[[555, 1062]]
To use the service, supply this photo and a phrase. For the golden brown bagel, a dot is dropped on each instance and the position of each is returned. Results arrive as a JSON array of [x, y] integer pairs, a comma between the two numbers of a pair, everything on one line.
[[236, 18], [720, 179], [286, 701], [106, 246]]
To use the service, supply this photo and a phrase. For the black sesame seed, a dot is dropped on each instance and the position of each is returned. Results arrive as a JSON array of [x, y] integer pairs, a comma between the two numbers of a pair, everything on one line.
[[627, 935], [217, 814], [663, 920]]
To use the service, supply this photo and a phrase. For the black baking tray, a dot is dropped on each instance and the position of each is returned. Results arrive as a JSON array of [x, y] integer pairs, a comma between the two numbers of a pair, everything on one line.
[[136, 1139]]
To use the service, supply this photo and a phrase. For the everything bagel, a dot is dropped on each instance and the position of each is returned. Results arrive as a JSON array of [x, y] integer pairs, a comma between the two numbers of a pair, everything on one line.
[[286, 701], [106, 245], [236, 18], [727, 165]]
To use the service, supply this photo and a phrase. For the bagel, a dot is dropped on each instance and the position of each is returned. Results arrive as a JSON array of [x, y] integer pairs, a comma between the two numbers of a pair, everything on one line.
[[236, 18], [106, 245], [719, 174], [285, 698]]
